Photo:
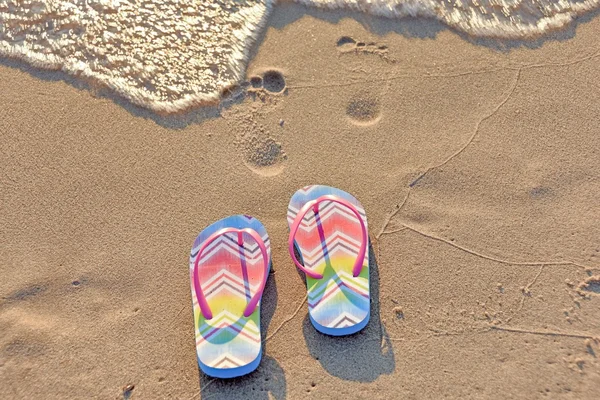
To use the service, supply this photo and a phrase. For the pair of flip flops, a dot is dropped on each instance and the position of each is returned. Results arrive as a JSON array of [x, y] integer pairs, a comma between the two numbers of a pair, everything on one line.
[[230, 263]]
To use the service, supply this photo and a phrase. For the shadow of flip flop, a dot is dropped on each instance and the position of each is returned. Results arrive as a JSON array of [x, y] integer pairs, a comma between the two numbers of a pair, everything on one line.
[[363, 356]]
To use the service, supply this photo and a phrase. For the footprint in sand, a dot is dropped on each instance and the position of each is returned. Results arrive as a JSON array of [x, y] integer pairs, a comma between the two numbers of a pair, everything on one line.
[[363, 110], [347, 44], [264, 156], [271, 82], [256, 82]]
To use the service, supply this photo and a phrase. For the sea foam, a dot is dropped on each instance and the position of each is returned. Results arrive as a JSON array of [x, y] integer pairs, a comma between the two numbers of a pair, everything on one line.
[[169, 55]]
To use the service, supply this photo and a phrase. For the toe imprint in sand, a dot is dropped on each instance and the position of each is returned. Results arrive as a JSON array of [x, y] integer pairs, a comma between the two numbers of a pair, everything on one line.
[[266, 87], [256, 82], [347, 44], [363, 110], [264, 156]]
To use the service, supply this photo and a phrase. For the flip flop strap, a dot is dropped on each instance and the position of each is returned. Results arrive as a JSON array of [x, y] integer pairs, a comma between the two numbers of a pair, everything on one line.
[[314, 204], [204, 308]]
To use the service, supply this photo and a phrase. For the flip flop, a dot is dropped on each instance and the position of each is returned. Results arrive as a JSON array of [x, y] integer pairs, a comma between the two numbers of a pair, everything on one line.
[[229, 266], [328, 227]]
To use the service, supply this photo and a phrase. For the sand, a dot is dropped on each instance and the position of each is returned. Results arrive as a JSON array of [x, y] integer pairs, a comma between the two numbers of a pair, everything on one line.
[[476, 161]]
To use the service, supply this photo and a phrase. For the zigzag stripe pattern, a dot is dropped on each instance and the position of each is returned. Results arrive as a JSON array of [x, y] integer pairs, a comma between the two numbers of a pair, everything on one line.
[[333, 244], [228, 361], [293, 211], [231, 238], [329, 243], [226, 276], [229, 243], [226, 323], [230, 275], [225, 316], [344, 320], [326, 210]]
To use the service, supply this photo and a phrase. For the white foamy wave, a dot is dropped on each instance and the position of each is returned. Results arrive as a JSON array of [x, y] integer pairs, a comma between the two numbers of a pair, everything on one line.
[[508, 19], [169, 55], [166, 55]]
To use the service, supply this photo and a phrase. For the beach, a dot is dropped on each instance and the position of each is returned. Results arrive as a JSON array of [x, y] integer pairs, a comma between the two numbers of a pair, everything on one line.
[[476, 160]]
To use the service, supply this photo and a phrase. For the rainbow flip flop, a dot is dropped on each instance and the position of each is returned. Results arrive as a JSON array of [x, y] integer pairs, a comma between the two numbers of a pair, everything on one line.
[[328, 227], [229, 266]]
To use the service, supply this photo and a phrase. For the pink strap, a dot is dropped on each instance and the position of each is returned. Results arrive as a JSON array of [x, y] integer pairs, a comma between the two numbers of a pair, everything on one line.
[[198, 289], [314, 204]]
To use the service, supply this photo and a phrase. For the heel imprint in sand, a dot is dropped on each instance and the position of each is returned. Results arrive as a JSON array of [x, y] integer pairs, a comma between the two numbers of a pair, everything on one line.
[[363, 110]]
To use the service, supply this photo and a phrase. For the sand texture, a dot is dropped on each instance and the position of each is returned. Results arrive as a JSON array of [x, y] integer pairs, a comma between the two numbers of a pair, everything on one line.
[[477, 162]]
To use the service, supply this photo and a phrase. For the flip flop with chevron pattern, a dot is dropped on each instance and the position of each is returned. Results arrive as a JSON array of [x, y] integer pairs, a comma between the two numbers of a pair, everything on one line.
[[328, 227], [229, 266]]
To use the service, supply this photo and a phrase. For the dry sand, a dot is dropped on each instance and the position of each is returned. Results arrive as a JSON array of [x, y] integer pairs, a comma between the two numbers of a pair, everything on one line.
[[487, 278]]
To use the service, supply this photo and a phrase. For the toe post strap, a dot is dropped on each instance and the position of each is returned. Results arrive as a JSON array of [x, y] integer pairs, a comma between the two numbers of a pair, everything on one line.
[[314, 205], [252, 304]]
